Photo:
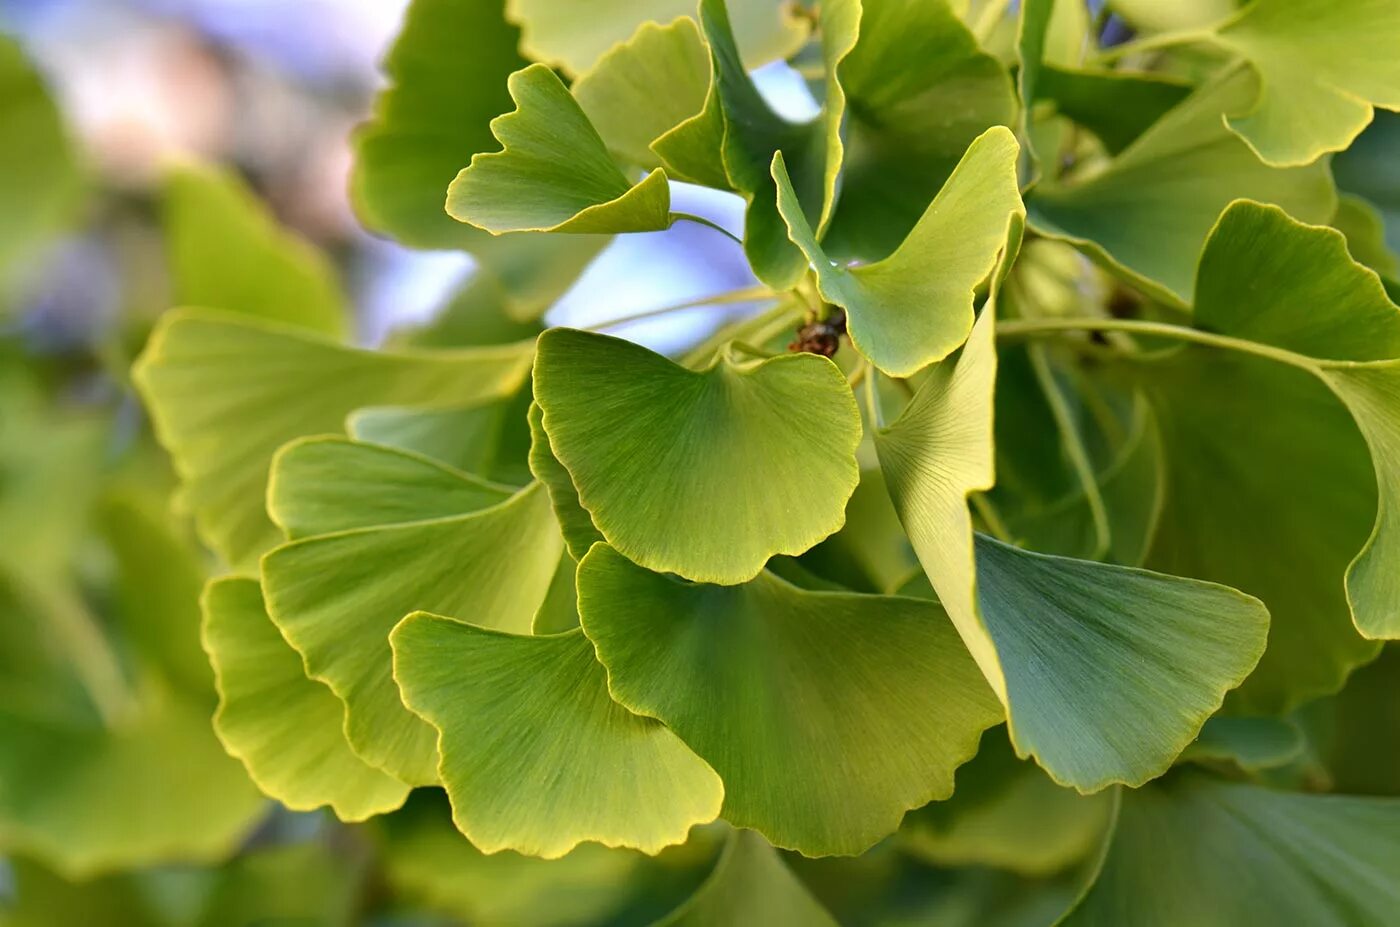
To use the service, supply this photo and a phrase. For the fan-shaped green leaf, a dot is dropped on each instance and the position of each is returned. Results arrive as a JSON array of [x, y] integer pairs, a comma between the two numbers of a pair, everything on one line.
[[827, 715], [619, 92], [554, 173], [1043, 629], [1321, 66], [918, 90], [39, 176], [489, 439], [228, 252], [1148, 213], [336, 596], [323, 485], [574, 521], [225, 393], [1198, 851], [284, 727], [574, 37], [1005, 812], [447, 80], [668, 460], [535, 756], [1251, 743], [156, 787], [915, 306], [750, 885], [1364, 228]]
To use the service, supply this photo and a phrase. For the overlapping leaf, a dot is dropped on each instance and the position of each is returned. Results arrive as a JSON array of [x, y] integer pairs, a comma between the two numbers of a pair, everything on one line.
[[915, 306], [226, 252], [827, 715], [336, 595], [534, 754], [1199, 851], [1106, 672], [750, 884], [669, 462], [226, 392], [284, 727]]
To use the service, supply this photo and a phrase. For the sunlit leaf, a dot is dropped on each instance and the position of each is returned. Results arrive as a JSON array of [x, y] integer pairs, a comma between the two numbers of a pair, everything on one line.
[[336, 596], [554, 173], [225, 393], [915, 306], [1321, 64], [535, 756], [827, 715], [284, 727], [666, 459], [1203, 852], [227, 252], [1107, 672]]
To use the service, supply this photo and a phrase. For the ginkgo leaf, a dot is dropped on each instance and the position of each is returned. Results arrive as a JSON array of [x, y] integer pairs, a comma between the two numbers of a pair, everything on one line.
[[915, 306], [667, 460], [574, 521], [427, 861], [750, 885], [619, 95], [827, 714], [732, 141], [1368, 169], [1107, 672], [1251, 743], [154, 788], [1147, 214], [335, 597], [1117, 106], [1198, 851], [490, 438], [535, 756], [447, 75], [1005, 812], [918, 90], [1364, 228], [322, 485], [39, 176], [227, 252], [284, 727], [554, 173], [1321, 64], [225, 393], [560, 32]]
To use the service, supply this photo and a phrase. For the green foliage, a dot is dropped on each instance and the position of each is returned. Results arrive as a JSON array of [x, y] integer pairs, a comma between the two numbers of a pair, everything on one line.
[[1090, 428]]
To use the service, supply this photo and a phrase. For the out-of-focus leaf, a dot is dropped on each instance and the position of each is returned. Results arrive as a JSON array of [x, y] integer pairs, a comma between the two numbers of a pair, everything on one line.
[[827, 715], [574, 37], [1321, 66], [1005, 812], [666, 460], [1117, 106], [1370, 168], [554, 173], [535, 756], [1193, 850], [1251, 743], [489, 439], [227, 252], [225, 393], [336, 596], [39, 176], [750, 885], [1044, 628], [915, 306], [284, 727], [1364, 229], [1147, 214]]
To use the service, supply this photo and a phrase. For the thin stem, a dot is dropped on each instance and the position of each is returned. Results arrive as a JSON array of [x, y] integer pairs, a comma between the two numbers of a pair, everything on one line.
[[759, 329], [860, 373], [1022, 328], [701, 220], [991, 518], [747, 295], [1074, 447], [872, 402], [1152, 43]]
